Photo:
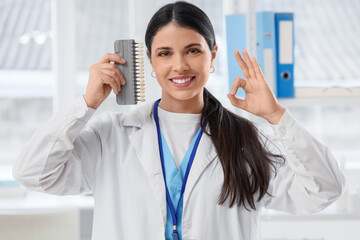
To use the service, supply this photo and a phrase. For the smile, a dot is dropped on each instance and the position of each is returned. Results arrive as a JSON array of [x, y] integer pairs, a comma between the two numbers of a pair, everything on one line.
[[184, 80]]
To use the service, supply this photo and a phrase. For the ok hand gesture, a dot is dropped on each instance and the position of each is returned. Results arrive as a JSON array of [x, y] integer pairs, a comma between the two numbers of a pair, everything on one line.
[[259, 98]]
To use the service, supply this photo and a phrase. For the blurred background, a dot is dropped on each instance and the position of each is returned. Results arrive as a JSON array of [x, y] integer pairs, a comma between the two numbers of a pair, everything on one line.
[[48, 46]]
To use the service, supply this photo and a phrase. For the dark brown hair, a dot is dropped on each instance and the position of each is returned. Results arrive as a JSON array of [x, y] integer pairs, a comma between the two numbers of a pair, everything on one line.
[[246, 163]]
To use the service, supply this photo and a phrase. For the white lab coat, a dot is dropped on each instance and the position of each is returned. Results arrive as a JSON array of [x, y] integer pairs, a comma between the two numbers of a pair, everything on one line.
[[116, 157]]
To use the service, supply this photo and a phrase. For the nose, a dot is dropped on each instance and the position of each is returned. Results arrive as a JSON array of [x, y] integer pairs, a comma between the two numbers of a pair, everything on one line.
[[180, 64]]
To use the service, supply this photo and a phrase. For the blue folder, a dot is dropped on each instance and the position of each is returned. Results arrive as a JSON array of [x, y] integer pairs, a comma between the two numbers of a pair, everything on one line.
[[266, 47], [284, 28]]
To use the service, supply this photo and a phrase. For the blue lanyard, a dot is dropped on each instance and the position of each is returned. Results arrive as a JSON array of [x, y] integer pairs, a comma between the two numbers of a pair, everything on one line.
[[191, 159]]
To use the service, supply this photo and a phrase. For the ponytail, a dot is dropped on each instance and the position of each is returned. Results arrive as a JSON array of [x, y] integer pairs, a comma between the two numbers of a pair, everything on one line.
[[246, 164]]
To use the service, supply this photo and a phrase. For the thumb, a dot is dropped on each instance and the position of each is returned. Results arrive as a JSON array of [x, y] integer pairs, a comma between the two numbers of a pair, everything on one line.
[[237, 102]]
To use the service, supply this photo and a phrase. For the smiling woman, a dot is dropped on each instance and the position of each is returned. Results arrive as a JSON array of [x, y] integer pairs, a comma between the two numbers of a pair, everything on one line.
[[181, 59], [182, 167]]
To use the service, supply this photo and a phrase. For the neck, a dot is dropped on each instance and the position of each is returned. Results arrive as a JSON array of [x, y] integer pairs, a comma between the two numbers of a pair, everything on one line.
[[193, 105]]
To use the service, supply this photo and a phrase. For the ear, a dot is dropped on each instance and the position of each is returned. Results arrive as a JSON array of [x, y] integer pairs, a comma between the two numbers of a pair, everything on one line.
[[213, 54], [147, 53]]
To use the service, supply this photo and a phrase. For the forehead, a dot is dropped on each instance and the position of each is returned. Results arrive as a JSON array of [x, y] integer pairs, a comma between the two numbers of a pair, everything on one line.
[[174, 36]]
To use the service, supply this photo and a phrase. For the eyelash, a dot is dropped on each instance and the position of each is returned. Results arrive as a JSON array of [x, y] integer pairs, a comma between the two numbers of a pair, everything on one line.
[[161, 54], [192, 49]]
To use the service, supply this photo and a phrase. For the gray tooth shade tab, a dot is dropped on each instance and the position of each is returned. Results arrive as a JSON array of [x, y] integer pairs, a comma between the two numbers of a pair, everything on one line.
[[133, 71]]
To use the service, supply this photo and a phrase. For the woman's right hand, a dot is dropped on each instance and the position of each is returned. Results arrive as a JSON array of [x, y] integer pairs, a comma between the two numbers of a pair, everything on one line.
[[104, 76]]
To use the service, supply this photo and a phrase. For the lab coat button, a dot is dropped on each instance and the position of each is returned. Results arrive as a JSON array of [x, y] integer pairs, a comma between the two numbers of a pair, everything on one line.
[[187, 224]]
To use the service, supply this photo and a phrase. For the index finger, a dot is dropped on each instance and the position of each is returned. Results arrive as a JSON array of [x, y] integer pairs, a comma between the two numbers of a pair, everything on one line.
[[259, 74], [242, 64], [112, 57], [249, 63]]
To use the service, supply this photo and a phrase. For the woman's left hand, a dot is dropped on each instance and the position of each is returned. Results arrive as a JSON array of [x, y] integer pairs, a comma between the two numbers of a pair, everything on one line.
[[259, 98]]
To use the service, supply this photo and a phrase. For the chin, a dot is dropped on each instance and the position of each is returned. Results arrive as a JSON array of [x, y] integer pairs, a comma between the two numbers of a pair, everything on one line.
[[186, 95]]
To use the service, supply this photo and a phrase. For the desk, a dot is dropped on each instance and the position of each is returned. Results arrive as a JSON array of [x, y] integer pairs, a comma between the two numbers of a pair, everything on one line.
[[36, 205], [41, 202]]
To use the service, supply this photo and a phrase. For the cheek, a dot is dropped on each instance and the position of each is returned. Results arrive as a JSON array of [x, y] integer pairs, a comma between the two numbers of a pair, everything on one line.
[[202, 67], [161, 67], [205, 76], [203, 63]]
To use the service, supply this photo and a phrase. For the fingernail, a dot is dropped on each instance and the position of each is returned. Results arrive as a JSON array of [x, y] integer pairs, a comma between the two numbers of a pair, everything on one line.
[[123, 82], [232, 92], [123, 61]]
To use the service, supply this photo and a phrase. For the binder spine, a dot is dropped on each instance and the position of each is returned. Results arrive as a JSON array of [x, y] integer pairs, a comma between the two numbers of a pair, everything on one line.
[[133, 71], [266, 46], [284, 27]]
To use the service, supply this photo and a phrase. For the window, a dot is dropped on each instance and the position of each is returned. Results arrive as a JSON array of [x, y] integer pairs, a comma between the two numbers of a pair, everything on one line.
[[326, 51], [25, 72]]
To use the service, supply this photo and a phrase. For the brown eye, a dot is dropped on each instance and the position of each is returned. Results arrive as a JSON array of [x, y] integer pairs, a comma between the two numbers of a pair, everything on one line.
[[194, 50], [163, 54]]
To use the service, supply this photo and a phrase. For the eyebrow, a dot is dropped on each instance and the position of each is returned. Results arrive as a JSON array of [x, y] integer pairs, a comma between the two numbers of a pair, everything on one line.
[[169, 48]]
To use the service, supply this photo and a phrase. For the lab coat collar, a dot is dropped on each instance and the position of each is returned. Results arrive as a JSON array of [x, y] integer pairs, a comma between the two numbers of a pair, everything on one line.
[[139, 116], [146, 146]]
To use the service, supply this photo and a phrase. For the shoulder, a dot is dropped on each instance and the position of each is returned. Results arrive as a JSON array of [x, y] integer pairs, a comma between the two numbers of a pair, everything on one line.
[[111, 120]]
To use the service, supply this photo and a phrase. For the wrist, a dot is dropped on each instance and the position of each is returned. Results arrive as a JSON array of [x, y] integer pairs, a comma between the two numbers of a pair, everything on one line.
[[275, 117], [90, 102]]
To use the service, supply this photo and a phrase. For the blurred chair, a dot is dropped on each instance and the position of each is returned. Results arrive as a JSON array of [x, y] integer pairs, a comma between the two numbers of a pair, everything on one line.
[[54, 225]]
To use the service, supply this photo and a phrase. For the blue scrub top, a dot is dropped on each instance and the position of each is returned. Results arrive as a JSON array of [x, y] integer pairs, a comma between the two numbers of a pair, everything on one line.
[[174, 180]]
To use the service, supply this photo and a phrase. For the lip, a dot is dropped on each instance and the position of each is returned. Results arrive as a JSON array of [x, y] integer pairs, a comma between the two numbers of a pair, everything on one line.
[[180, 78]]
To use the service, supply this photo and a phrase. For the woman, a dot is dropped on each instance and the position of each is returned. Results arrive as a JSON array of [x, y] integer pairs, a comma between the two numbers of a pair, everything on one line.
[[183, 167]]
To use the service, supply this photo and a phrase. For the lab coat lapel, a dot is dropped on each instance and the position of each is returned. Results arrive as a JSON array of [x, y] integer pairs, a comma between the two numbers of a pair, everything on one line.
[[144, 141], [205, 154]]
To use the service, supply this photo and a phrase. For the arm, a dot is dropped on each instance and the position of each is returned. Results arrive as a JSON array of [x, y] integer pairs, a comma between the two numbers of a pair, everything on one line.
[[63, 156], [56, 156], [310, 179]]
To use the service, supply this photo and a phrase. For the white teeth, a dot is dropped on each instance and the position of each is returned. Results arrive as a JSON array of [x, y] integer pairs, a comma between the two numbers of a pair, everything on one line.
[[181, 80]]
